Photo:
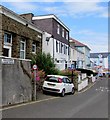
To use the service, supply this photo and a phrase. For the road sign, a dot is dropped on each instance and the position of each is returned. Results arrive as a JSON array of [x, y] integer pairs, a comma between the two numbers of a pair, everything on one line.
[[7, 61], [35, 67]]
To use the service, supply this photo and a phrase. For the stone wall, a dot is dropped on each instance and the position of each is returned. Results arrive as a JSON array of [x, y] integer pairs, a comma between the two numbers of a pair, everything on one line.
[[16, 82], [0, 34], [20, 31]]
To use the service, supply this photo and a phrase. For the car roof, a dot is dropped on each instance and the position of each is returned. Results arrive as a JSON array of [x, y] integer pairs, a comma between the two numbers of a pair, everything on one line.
[[59, 76]]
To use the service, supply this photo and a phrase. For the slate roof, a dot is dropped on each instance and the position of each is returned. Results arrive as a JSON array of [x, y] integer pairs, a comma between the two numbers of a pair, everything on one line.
[[79, 44], [95, 55]]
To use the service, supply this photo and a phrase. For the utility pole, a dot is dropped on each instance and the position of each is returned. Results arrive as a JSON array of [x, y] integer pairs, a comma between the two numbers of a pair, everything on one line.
[[72, 68]]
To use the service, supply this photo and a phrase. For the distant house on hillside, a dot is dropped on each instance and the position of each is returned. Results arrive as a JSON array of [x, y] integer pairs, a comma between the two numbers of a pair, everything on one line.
[[85, 60], [101, 60]]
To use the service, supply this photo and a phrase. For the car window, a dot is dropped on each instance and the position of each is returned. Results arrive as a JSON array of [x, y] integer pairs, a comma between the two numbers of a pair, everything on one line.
[[67, 80], [64, 80], [52, 79]]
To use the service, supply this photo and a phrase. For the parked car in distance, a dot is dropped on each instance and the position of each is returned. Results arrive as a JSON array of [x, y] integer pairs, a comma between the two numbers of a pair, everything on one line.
[[58, 84]]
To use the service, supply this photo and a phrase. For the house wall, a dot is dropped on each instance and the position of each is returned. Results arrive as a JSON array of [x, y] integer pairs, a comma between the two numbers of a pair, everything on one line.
[[50, 47], [59, 36], [78, 56], [0, 83], [104, 62], [44, 25], [19, 31], [47, 47], [50, 26], [86, 56], [0, 34], [15, 77], [16, 84]]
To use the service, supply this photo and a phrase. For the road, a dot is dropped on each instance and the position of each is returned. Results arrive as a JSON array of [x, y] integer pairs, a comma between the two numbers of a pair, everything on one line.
[[92, 103]]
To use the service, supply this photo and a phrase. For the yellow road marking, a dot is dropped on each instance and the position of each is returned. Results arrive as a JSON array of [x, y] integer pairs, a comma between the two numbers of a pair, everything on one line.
[[10, 107]]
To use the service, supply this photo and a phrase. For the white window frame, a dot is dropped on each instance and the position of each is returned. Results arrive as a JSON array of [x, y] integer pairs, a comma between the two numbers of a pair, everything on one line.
[[66, 35], [8, 45], [63, 32], [24, 42], [5, 37], [34, 48], [58, 29]]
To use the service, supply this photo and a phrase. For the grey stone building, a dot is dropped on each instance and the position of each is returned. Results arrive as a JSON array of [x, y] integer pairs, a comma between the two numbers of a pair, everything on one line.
[[18, 39]]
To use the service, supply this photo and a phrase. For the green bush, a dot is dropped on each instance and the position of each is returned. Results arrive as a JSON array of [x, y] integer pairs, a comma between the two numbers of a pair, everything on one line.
[[44, 62]]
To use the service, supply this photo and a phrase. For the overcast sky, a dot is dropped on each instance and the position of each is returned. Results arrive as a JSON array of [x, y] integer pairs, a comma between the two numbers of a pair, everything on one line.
[[88, 21]]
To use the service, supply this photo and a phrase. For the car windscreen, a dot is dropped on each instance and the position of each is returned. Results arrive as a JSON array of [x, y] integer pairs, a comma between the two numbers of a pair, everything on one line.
[[52, 79]]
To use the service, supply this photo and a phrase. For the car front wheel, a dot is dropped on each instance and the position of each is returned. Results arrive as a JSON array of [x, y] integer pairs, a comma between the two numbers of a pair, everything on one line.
[[72, 91]]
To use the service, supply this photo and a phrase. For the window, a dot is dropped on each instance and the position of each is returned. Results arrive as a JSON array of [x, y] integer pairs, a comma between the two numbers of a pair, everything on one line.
[[62, 32], [56, 46], [6, 52], [59, 47], [58, 29], [33, 48], [64, 49], [69, 51], [7, 48], [7, 38], [67, 35], [22, 49]]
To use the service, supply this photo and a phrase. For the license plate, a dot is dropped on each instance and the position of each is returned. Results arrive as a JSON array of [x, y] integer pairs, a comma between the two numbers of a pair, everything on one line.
[[51, 84]]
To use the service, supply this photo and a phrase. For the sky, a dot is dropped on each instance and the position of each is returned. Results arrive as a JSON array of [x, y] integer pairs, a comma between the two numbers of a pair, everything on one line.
[[87, 20]]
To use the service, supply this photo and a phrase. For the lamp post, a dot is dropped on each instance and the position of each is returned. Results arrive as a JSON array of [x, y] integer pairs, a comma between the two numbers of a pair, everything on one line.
[[72, 67], [47, 39]]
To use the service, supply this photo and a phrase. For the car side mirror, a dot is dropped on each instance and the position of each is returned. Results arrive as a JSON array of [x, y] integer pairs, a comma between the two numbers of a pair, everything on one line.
[[71, 82]]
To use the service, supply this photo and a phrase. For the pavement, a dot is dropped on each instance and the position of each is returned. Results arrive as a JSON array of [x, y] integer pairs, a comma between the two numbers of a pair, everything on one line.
[[93, 103], [41, 96]]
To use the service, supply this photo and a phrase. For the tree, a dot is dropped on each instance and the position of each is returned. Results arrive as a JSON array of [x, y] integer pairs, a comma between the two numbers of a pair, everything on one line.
[[44, 62]]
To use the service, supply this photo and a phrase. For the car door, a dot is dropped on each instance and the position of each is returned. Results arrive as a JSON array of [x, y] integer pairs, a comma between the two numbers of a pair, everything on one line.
[[65, 85], [69, 85]]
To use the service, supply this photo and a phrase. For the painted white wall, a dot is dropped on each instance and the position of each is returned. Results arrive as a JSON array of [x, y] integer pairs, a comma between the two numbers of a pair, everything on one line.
[[47, 47], [77, 55], [86, 56], [83, 84], [50, 47]]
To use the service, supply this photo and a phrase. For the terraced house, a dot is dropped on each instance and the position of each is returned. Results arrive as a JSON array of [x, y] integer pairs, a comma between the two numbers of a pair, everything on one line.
[[55, 38], [19, 36]]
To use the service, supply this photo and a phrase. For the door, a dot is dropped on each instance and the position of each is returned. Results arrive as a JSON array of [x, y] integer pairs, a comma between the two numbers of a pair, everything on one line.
[[69, 85], [65, 85]]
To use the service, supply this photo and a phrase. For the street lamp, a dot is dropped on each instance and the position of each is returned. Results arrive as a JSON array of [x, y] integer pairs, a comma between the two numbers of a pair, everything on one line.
[[72, 69], [47, 39]]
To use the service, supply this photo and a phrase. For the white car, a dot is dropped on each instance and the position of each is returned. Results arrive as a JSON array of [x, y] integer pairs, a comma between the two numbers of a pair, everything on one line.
[[58, 84]]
